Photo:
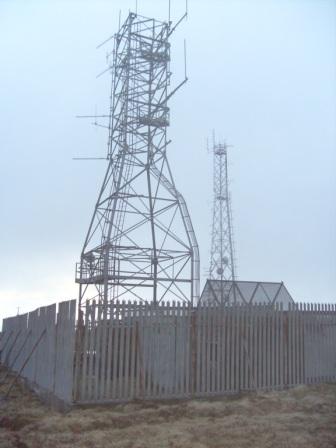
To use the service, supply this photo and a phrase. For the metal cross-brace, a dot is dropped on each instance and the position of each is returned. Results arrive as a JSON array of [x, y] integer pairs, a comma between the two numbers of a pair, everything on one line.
[[6, 342], [10, 367], [25, 362]]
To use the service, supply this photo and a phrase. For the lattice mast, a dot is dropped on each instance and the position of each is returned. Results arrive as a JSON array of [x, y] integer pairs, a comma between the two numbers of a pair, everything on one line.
[[140, 243], [222, 266]]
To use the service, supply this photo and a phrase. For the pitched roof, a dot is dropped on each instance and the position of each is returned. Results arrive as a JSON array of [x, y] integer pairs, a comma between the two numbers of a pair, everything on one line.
[[248, 292]]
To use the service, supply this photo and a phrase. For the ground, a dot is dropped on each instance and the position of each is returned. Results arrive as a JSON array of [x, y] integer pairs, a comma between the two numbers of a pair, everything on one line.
[[301, 417]]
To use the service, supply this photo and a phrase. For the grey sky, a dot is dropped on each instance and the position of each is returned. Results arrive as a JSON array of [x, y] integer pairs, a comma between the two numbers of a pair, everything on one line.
[[262, 73]]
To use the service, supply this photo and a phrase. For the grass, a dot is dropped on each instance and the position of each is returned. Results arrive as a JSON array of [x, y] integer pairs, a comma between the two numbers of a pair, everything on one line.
[[303, 417]]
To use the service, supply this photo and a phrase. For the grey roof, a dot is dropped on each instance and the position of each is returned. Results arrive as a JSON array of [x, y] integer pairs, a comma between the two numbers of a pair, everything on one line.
[[248, 292]]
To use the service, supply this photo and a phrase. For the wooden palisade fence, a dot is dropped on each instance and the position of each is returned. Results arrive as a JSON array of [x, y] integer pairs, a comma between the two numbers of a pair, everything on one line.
[[127, 351], [39, 347]]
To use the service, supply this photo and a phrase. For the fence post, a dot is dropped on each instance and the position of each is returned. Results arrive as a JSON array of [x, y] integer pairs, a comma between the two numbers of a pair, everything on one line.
[[79, 355], [193, 351]]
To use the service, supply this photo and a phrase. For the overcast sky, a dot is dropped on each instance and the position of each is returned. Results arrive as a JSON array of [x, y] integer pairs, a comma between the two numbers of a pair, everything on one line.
[[261, 73]]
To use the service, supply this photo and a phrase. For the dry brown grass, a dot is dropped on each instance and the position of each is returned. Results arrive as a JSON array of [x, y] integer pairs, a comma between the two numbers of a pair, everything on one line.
[[302, 417]]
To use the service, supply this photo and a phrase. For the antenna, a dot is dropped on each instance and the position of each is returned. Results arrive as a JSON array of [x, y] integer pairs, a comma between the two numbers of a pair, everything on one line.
[[104, 42], [222, 262], [179, 21], [89, 158], [93, 116], [185, 15], [185, 60]]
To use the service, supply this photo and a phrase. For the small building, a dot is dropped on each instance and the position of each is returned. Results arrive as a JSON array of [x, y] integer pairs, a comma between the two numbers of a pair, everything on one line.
[[248, 292]]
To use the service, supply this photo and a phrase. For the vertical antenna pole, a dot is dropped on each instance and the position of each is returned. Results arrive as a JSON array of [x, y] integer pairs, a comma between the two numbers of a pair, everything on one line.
[[186, 5], [136, 6], [119, 19], [185, 60], [168, 12]]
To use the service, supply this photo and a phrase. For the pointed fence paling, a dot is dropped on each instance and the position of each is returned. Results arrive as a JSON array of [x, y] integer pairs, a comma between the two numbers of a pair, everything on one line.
[[172, 350]]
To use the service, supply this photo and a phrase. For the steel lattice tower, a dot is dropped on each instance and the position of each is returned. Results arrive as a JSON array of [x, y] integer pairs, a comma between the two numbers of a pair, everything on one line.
[[140, 244], [222, 253]]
